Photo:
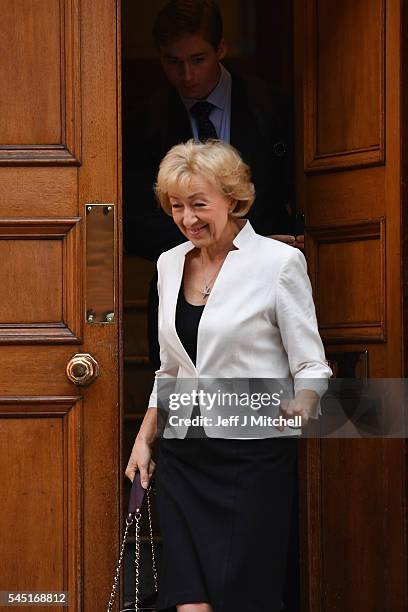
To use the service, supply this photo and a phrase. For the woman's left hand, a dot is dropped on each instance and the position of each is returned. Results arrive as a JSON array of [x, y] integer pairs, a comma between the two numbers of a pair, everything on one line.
[[304, 405]]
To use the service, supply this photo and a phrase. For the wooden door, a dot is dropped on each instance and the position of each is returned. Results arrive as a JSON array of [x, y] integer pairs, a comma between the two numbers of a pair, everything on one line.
[[59, 443], [347, 61]]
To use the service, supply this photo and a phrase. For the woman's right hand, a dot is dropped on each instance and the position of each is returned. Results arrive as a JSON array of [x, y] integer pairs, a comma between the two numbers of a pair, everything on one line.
[[141, 459]]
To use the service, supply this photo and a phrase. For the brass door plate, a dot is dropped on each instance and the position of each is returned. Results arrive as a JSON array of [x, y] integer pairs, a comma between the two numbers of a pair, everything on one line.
[[100, 263]]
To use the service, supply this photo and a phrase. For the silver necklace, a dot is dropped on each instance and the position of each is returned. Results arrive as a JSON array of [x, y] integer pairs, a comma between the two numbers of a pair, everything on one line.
[[206, 290]]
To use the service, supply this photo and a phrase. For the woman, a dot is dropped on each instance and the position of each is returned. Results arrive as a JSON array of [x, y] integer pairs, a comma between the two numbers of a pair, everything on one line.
[[233, 304]]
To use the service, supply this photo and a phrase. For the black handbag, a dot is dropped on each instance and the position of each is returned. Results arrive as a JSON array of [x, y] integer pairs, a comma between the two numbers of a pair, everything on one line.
[[136, 499]]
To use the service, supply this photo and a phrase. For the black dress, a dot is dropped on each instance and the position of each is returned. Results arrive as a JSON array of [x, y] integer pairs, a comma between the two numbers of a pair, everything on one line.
[[224, 510]]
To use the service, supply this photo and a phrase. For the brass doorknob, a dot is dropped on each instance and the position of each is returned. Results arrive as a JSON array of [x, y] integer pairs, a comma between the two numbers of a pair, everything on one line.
[[82, 369]]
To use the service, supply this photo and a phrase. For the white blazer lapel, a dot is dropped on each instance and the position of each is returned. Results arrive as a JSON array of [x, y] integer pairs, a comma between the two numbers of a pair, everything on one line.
[[173, 279]]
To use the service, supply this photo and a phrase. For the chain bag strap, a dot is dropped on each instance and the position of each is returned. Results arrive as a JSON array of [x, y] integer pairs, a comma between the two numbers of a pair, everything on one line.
[[137, 496]]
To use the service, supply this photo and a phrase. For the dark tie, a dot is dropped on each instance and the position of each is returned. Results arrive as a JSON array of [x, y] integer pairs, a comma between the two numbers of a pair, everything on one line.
[[201, 113]]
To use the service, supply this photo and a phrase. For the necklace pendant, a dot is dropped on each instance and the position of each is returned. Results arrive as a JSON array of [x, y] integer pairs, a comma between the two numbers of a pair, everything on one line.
[[206, 291]]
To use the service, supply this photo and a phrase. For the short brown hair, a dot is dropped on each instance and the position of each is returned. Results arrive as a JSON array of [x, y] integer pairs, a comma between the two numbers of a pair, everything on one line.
[[217, 162], [180, 18]]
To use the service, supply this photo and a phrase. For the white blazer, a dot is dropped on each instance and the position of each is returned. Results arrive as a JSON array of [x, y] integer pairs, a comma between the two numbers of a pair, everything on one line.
[[259, 320]]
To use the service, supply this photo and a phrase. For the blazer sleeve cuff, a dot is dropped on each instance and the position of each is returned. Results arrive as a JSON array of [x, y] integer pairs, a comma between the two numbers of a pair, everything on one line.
[[319, 385], [153, 396]]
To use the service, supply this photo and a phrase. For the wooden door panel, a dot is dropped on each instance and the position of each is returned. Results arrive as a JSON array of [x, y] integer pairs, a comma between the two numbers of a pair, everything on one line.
[[25, 278], [353, 95], [347, 62], [344, 115], [357, 585], [59, 443], [42, 279], [36, 81], [35, 371], [43, 190], [40, 514], [329, 200], [40, 69], [353, 253]]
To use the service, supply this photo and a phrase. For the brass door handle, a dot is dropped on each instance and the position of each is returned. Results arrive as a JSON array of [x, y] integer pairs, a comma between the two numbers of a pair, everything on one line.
[[82, 369]]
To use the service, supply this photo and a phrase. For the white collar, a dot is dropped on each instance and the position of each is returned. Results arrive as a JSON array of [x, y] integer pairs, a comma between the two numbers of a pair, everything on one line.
[[241, 240], [218, 96]]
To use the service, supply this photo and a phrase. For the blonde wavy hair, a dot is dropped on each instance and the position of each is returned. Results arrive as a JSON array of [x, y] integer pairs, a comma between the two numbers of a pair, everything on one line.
[[215, 161]]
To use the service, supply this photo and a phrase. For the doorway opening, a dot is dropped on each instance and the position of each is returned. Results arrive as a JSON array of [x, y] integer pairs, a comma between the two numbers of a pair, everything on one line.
[[259, 36]]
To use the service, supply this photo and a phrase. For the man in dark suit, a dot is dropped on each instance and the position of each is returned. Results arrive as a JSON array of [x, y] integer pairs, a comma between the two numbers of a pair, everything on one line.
[[242, 111]]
